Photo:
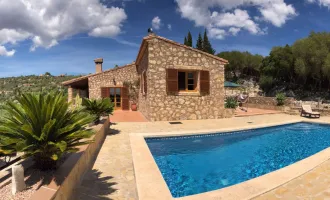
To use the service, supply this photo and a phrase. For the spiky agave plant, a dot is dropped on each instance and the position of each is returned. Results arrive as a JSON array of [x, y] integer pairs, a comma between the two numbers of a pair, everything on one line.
[[98, 107], [43, 127]]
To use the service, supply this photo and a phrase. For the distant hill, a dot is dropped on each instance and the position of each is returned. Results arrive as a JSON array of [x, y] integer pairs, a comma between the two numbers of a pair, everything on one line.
[[11, 86]]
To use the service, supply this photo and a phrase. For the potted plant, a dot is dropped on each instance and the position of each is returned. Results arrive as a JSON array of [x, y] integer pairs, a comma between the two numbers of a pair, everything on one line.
[[231, 103], [133, 92], [98, 107], [44, 128]]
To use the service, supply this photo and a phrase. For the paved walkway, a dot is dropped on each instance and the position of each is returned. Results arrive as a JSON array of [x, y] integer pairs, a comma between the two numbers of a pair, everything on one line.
[[112, 176]]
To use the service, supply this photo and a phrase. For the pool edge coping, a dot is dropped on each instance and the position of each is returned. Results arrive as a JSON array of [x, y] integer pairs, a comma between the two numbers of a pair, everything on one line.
[[151, 184]]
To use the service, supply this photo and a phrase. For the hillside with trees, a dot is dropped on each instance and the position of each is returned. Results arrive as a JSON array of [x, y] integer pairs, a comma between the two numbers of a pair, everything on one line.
[[11, 86], [301, 70]]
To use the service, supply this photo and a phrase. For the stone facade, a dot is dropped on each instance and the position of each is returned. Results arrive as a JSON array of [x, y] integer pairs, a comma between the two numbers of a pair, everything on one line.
[[163, 55], [155, 57], [111, 78], [144, 106]]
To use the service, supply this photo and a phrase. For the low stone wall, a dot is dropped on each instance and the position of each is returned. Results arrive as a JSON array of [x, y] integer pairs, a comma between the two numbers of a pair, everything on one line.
[[228, 113], [268, 103], [71, 172]]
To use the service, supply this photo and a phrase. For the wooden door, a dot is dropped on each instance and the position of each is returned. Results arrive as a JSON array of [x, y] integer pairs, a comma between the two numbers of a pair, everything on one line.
[[116, 97]]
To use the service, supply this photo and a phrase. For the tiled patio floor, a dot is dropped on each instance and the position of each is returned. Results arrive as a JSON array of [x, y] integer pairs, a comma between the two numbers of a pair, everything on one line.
[[112, 176], [127, 116]]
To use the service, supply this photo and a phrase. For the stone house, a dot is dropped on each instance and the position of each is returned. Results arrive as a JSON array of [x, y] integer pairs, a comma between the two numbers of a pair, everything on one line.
[[177, 82]]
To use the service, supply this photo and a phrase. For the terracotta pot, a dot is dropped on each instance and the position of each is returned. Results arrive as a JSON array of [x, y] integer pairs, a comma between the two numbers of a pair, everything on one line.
[[133, 107]]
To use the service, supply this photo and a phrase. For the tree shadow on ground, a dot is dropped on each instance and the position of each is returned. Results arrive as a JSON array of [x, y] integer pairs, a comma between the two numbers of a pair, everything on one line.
[[113, 132], [94, 186]]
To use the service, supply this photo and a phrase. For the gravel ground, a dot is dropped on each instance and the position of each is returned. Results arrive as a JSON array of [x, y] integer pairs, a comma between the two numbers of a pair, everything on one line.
[[34, 179]]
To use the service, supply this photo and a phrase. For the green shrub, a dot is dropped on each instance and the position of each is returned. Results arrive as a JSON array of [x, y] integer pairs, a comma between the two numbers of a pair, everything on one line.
[[280, 99], [231, 102], [43, 127], [266, 83], [98, 107]]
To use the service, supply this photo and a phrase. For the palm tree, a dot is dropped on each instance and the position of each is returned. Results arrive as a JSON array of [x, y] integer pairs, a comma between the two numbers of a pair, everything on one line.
[[43, 127]]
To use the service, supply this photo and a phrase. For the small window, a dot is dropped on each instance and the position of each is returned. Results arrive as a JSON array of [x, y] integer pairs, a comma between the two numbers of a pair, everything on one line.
[[187, 81]]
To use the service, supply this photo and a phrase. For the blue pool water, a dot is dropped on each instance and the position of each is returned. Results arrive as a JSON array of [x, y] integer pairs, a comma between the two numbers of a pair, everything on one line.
[[196, 164]]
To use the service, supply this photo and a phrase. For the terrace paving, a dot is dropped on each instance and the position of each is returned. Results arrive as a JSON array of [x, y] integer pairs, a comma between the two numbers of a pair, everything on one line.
[[112, 176]]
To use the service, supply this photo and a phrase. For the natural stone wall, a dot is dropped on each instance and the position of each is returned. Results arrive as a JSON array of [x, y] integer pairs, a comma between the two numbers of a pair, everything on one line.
[[269, 103], [143, 104], [163, 55], [229, 92], [111, 78]]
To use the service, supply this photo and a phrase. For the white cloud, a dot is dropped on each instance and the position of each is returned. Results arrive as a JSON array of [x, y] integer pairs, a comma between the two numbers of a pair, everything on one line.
[[217, 33], [169, 26], [325, 3], [156, 23], [5, 52], [234, 31], [239, 18], [47, 22], [277, 12], [222, 16]]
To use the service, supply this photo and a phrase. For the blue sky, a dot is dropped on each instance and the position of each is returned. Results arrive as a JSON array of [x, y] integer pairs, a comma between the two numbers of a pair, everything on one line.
[[61, 38]]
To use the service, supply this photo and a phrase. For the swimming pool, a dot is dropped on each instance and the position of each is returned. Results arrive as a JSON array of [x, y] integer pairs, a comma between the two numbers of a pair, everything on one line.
[[200, 163]]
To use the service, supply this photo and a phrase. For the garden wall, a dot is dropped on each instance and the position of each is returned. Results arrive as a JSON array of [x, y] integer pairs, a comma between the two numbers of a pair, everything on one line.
[[269, 103], [71, 172]]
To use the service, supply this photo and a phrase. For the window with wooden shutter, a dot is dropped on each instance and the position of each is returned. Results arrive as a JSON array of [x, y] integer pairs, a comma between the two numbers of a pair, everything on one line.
[[125, 100], [187, 81], [204, 82], [172, 81], [105, 93]]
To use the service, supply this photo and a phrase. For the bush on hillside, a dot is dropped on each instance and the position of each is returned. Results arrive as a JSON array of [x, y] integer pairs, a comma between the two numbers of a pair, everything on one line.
[[280, 99]]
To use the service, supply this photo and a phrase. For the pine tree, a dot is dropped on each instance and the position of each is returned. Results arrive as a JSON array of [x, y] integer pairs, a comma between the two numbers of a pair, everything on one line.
[[199, 43], [207, 47], [189, 39], [185, 41]]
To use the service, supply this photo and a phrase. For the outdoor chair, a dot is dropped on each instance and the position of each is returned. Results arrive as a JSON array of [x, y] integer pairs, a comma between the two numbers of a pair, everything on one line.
[[307, 111]]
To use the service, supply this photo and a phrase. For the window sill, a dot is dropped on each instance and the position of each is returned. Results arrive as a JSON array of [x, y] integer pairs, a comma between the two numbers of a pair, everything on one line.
[[188, 94]]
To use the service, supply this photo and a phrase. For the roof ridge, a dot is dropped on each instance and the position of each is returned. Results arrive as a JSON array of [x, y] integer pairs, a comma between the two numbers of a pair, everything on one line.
[[94, 74], [191, 48]]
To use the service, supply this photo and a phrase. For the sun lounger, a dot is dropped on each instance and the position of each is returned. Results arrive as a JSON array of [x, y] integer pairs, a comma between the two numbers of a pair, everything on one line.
[[307, 111]]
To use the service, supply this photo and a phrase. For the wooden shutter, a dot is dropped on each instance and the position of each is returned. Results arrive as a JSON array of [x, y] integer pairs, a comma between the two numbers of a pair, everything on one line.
[[204, 82], [124, 99], [172, 81], [145, 82], [105, 92]]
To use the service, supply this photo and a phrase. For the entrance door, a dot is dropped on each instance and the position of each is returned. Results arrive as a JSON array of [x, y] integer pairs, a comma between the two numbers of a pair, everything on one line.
[[115, 96]]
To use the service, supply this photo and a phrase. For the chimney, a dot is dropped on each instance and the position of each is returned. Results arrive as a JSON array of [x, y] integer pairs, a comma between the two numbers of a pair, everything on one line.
[[151, 32], [98, 64]]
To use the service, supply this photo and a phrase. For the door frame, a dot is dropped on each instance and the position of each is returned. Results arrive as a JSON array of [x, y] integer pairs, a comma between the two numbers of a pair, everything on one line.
[[121, 97]]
